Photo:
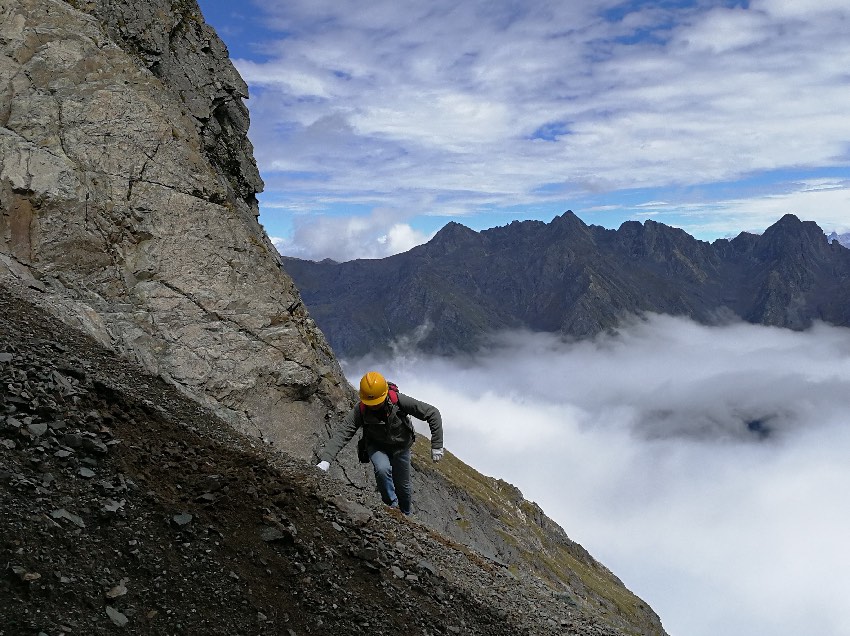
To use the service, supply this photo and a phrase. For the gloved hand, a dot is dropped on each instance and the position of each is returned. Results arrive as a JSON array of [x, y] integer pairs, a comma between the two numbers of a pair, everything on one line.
[[436, 454], [323, 465]]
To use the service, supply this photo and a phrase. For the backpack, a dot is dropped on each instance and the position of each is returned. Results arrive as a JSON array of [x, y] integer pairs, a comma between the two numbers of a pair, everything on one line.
[[392, 393]]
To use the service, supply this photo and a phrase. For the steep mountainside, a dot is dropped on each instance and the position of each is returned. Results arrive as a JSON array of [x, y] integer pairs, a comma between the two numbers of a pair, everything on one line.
[[568, 277], [126, 504], [128, 209], [127, 192]]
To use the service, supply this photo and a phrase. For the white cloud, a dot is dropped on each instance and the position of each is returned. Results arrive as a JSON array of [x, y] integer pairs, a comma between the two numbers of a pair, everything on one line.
[[716, 95], [377, 235], [706, 466], [827, 200]]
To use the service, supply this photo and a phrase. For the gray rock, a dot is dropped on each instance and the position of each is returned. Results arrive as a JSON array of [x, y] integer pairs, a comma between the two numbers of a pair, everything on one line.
[[116, 617], [94, 446], [113, 506], [182, 520], [24, 575], [427, 567], [359, 515], [61, 513], [37, 430], [271, 534], [117, 591], [369, 554], [86, 473], [72, 440]]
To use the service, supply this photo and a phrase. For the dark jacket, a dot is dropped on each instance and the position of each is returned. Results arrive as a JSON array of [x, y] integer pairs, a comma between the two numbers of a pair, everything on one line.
[[396, 432]]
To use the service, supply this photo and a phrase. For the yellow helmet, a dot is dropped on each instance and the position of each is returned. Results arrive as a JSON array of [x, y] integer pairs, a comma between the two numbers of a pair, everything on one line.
[[373, 389]]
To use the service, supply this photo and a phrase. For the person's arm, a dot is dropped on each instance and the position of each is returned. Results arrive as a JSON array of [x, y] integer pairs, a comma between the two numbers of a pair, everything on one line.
[[426, 413], [342, 435]]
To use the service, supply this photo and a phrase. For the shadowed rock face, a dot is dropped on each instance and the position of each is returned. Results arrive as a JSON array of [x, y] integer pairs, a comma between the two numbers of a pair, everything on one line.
[[578, 280], [128, 195]]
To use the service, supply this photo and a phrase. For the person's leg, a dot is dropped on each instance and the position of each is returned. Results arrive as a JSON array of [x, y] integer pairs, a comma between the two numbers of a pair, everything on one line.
[[383, 475], [401, 479]]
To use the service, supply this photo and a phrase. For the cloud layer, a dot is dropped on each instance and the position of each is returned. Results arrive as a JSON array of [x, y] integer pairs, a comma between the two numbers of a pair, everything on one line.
[[378, 234], [706, 466], [444, 108]]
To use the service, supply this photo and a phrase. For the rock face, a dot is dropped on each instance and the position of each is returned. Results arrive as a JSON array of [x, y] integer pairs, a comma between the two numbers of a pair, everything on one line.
[[127, 191], [568, 277]]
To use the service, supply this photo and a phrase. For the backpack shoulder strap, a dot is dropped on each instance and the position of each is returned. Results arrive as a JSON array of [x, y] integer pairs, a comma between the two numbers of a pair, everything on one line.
[[392, 391]]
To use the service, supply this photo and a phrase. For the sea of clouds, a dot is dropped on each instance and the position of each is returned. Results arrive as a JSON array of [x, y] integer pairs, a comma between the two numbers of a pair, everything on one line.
[[707, 467]]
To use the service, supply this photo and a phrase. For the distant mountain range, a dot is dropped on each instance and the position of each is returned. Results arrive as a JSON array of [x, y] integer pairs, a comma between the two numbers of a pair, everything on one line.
[[447, 295], [844, 239]]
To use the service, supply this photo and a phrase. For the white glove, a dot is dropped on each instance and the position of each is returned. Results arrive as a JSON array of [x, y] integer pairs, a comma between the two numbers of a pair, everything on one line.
[[436, 454], [323, 465]]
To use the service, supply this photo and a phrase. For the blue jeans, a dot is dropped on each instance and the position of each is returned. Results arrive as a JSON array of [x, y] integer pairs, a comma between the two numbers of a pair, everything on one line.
[[392, 474]]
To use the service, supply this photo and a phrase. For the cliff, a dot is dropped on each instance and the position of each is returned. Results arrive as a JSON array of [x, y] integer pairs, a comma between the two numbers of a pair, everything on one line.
[[128, 196]]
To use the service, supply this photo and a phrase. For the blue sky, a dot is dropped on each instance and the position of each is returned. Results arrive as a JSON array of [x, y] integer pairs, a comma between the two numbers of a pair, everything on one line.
[[375, 123]]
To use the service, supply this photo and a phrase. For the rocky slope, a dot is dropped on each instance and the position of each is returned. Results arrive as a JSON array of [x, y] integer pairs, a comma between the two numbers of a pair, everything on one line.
[[127, 504], [128, 210], [568, 277]]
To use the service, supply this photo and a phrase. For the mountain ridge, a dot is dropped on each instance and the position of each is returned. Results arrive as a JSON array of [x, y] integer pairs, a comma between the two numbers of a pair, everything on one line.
[[575, 279]]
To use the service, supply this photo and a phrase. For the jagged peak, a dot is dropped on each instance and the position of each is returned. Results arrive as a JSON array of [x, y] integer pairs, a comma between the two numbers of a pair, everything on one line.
[[788, 220], [791, 226], [454, 229], [791, 221], [451, 236], [569, 219], [630, 225]]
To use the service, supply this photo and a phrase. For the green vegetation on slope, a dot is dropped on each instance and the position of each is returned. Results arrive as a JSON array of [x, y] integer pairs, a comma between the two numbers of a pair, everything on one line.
[[541, 546]]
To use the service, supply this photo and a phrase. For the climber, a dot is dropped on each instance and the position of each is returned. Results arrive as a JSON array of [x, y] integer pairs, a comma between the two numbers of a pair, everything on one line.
[[388, 435]]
